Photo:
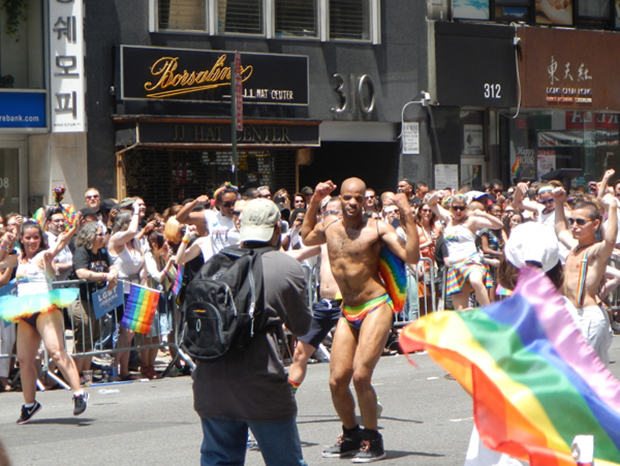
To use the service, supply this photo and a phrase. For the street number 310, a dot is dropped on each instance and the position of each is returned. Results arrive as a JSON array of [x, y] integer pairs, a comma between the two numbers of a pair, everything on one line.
[[492, 91]]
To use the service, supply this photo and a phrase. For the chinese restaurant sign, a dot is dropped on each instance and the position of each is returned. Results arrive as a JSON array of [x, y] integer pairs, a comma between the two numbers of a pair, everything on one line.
[[153, 73], [564, 69], [67, 73]]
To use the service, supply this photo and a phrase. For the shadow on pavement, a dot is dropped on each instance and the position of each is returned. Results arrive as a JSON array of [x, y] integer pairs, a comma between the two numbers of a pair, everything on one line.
[[393, 454], [78, 422]]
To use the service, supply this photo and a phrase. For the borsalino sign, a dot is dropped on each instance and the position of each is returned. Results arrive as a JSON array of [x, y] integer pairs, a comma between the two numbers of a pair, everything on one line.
[[155, 73]]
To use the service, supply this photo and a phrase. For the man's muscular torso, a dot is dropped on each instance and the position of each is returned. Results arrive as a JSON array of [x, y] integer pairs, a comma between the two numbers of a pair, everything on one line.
[[354, 258], [594, 274]]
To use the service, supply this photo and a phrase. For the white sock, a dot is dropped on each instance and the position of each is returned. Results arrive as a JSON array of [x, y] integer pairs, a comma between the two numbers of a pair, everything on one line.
[[78, 393], [30, 405]]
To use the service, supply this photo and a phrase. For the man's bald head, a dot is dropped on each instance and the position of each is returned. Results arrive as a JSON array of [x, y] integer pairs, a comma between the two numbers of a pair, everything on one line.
[[353, 185]]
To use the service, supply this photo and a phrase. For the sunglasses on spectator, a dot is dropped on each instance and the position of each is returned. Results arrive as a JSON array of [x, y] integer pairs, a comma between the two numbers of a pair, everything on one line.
[[370, 197], [548, 201], [458, 207], [236, 213], [227, 204], [99, 235], [94, 196], [579, 221]]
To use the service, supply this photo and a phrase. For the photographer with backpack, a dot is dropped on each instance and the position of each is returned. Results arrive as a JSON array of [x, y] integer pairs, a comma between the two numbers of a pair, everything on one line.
[[242, 383]]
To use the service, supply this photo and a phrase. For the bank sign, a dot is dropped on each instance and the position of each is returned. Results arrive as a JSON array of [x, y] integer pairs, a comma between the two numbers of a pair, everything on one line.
[[155, 73]]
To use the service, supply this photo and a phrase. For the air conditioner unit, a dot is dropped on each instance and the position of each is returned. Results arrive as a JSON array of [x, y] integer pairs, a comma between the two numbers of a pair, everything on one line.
[[438, 10]]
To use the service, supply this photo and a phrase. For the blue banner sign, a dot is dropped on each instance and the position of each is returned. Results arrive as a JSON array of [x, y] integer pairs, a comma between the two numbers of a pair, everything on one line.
[[106, 300], [22, 110]]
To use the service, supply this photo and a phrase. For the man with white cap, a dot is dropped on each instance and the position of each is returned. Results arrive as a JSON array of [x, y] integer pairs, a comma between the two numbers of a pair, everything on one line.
[[250, 389]]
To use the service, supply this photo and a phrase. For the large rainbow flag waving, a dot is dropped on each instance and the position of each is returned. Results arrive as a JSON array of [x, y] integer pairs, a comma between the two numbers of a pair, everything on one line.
[[534, 380], [140, 308]]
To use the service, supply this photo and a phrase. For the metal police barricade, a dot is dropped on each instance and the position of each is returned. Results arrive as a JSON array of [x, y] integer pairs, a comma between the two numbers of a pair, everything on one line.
[[421, 295], [611, 290], [92, 337]]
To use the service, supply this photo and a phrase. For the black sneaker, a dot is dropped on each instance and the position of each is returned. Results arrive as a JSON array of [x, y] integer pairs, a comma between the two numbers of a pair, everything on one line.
[[345, 446], [370, 450], [27, 413], [80, 402]]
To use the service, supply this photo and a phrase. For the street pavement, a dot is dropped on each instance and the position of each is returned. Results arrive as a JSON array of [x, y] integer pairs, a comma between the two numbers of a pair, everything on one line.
[[427, 420]]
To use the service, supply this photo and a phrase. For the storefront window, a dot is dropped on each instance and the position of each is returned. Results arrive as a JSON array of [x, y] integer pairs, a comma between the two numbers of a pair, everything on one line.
[[9, 181], [189, 15], [544, 141], [165, 178]]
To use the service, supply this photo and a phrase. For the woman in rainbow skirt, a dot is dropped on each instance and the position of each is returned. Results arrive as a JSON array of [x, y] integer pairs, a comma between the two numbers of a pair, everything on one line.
[[465, 271], [36, 309]]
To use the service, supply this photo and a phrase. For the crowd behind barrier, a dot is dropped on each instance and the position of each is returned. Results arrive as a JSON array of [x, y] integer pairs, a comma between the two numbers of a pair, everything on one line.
[[211, 219]]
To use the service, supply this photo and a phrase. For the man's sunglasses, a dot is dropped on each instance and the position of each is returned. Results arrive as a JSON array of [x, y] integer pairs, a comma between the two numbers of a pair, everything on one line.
[[236, 213], [95, 196], [548, 201], [227, 204], [579, 221], [458, 207]]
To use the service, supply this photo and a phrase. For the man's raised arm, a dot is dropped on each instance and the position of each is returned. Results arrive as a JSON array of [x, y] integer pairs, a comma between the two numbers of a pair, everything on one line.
[[520, 199], [185, 215], [564, 236], [412, 247], [312, 234], [611, 227]]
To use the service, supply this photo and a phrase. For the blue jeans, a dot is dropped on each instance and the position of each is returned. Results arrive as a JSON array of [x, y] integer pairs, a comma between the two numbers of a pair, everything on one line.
[[224, 442]]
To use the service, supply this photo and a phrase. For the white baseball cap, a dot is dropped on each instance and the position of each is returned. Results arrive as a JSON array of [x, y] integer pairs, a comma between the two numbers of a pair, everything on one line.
[[258, 220], [533, 242]]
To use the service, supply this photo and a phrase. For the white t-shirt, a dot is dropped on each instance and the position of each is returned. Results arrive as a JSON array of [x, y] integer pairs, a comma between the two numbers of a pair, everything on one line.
[[222, 230]]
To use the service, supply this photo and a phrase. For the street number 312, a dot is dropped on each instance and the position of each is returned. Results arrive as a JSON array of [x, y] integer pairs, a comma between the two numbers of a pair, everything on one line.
[[492, 91]]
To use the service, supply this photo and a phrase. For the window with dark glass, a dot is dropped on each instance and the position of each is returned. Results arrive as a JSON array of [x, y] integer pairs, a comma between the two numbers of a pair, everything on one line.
[[513, 10], [240, 16], [296, 18], [349, 19], [186, 15]]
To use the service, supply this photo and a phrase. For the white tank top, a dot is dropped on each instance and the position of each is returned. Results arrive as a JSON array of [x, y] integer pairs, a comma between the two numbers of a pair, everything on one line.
[[31, 279], [128, 263], [461, 243]]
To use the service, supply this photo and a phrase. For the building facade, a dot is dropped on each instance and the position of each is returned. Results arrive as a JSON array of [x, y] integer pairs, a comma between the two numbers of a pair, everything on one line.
[[134, 98]]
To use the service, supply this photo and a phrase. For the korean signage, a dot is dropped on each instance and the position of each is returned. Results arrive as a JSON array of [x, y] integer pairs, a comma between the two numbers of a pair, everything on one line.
[[561, 69], [22, 109], [67, 72], [475, 65], [150, 73]]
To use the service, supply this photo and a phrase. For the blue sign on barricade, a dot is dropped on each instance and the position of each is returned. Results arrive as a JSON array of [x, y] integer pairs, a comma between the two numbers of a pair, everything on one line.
[[106, 300]]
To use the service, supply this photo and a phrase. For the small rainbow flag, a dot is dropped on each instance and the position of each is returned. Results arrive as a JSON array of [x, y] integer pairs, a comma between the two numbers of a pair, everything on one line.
[[516, 168], [140, 309], [535, 381], [394, 275], [176, 287]]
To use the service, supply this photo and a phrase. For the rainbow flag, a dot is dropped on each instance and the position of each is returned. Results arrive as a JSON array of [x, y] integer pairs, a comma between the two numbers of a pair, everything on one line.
[[176, 287], [535, 381], [516, 168], [394, 275], [140, 308]]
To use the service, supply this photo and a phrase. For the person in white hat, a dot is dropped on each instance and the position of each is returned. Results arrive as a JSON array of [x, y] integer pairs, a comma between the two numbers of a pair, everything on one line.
[[250, 389]]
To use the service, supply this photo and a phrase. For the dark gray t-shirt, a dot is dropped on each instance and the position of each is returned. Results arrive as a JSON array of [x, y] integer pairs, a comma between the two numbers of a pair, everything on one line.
[[253, 386]]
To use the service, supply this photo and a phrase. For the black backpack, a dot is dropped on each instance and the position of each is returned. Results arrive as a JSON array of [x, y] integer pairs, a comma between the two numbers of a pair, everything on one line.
[[224, 304]]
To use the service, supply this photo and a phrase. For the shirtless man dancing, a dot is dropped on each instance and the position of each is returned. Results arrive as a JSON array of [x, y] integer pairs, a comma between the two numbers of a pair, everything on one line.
[[353, 244], [587, 259]]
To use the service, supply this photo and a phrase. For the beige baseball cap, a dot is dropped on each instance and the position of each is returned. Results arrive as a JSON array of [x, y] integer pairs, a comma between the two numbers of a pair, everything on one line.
[[258, 220]]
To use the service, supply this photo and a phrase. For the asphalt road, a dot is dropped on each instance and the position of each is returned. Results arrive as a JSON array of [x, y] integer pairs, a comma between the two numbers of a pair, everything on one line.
[[427, 420]]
